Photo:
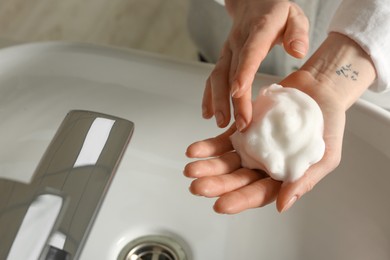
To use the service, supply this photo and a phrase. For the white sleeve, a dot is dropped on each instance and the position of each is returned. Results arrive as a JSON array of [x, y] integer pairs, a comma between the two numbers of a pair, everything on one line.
[[368, 23]]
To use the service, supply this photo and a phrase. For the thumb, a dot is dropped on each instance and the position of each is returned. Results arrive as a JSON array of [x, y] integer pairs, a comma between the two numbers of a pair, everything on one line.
[[290, 192], [296, 35]]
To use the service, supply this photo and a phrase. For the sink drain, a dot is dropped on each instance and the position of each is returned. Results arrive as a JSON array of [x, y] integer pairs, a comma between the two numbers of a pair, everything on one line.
[[154, 247]]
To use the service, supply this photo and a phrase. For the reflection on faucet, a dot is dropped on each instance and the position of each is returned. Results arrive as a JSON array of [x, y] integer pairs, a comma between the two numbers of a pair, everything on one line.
[[71, 179], [36, 227], [94, 142]]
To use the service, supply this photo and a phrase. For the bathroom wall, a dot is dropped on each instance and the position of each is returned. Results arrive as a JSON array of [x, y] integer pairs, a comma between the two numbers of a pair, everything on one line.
[[151, 25]]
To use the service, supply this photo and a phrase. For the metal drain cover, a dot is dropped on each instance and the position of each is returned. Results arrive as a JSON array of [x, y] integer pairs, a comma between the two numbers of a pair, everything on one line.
[[153, 247]]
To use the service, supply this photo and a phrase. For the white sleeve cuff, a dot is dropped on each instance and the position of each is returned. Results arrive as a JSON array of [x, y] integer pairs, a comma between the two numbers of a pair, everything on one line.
[[368, 23]]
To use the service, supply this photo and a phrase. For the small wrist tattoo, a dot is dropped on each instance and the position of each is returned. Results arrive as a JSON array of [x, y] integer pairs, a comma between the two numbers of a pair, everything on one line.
[[348, 72]]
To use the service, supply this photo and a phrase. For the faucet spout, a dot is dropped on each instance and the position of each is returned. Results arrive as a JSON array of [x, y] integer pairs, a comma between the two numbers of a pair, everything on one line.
[[70, 181]]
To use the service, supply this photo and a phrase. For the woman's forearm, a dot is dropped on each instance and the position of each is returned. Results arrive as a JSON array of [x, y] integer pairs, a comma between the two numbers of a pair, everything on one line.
[[342, 67]]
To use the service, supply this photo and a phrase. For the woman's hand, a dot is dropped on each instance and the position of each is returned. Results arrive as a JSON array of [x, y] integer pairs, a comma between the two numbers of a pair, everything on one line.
[[335, 77], [239, 188], [222, 176], [257, 27]]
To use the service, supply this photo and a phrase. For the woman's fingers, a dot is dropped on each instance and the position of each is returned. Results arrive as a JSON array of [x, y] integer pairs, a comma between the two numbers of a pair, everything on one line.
[[212, 147], [257, 45], [215, 186], [253, 35], [296, 35], [207, 101], [217, 87], [243, 110], [225, 164], [242, 73], [257, 194], [290, 25], [248, 59]]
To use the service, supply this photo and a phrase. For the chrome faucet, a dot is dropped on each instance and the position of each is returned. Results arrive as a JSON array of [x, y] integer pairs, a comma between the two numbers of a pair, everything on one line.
[[61, 202]]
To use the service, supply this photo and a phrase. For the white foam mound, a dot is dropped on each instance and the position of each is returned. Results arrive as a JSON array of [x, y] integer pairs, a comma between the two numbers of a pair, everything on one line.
[[286, 134]]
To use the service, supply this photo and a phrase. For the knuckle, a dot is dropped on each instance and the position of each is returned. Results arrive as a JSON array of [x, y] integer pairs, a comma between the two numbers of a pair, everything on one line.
[[235, 38], [247, 51], [334, 161], [259, 24], [302, 23], [309, 185], [216, 74], [251, 51], [235, 33], [333, 158]]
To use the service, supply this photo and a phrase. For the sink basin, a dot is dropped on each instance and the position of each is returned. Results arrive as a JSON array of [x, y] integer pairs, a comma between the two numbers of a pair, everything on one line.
[[344, 217]]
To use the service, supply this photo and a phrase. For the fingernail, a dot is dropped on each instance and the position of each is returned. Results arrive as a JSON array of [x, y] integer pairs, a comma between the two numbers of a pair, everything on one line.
[[240, 123], [298, 46], [195, 194], [220, 118], [289, 204], [205, 113], [217, 210]]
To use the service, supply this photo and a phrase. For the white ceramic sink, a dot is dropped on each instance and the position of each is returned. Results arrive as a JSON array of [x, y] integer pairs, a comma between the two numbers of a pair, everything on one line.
[[345, 217]]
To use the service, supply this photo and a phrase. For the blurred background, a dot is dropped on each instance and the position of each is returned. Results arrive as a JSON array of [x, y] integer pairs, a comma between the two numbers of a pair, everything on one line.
[[157, 26]]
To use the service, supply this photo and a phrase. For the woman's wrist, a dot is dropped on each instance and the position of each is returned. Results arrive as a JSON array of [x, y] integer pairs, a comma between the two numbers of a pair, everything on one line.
[[342, 67]]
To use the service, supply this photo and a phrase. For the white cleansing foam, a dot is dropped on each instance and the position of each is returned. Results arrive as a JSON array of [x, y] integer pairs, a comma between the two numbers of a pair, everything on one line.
[[286, 134]]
